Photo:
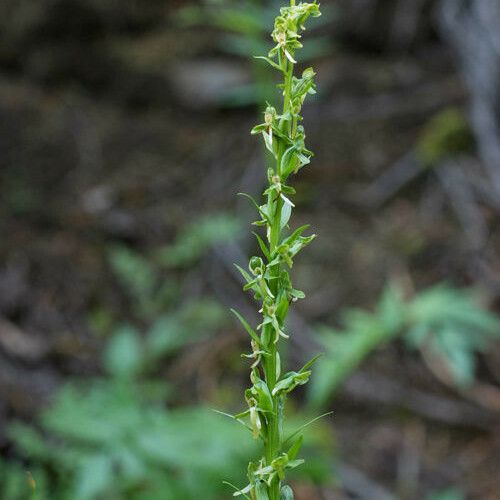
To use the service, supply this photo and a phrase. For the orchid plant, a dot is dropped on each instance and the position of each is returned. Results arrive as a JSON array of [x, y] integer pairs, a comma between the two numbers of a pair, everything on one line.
[[268, 276]]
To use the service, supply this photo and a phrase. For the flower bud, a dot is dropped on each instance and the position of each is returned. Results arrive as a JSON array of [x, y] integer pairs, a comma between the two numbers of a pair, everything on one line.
[[256, 266], [269, 115]]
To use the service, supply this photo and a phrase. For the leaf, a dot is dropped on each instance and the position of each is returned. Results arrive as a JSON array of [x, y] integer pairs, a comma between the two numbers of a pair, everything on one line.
[[345, 350], [236, 418], [449, 494], [94, 478], [286, 493], [297, 294], [452, 327], [133, 271], [310, 363], [268, 141], [282, 309], [258, 129], [300, 243], [295, 463], [457, 356], [245, 274], [288, 161], [263, 246], [165, 336], [295, 448], [269, 61], [286, 200], [290, 240], [239, 492], [123, 356], [261, 491], [198, 237], [259, 209], [307, 424], [263, 396], [247, 327], [240, 20], [391, 309], [286, 212], [290, 381]]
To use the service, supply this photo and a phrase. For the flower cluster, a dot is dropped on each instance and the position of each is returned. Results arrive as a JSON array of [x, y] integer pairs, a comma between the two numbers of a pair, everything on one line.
[[268, 275], [287, 27]]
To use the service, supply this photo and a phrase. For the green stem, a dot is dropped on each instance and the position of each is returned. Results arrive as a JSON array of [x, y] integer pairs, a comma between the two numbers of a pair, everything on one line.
[[273, 442]]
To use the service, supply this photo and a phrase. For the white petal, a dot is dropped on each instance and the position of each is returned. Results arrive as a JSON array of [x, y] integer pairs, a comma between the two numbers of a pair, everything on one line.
[[289, 57]]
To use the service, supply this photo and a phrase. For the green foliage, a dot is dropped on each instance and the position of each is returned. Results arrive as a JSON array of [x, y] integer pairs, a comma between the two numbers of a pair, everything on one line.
[[267, 278], [112, 439], [128, 353], [118, 437], [190, 323], [449, 326], [151, 295], [141, 276], [450, 494], [16, 483], [447, 135], [123, 356], [170, 323], [441, 321], [346, 348], [135, 272], [197, 238]]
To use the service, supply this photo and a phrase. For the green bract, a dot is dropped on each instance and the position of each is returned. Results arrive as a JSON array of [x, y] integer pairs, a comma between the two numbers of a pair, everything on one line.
[[267, 276]]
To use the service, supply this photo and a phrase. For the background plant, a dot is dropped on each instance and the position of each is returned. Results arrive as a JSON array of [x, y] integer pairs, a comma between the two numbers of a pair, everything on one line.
[[119, 435], [446, 325], [123, 434]]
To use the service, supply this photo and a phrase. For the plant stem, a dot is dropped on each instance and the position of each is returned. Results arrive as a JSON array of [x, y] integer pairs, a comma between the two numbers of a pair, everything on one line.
[[273, 443], [270, 281]]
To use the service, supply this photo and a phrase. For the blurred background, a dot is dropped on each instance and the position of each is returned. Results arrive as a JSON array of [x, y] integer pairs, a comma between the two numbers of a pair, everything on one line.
[[124, 138]]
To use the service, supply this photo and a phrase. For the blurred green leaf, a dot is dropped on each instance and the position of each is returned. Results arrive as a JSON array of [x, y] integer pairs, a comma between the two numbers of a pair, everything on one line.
[[123, 356], [107, 440], [192, 322], [450, 494], [441, 320], [197, 238], [94, 477], [448, 323], [133, 271]]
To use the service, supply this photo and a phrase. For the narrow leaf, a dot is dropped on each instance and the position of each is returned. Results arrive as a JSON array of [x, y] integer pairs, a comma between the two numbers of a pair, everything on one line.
[[263, 246], [310, 363], [295, 448], [244, 273], [270, 61], [290, 240], [247, 327], [256, 205], [286, 212], [307, 424], [238, 492]]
